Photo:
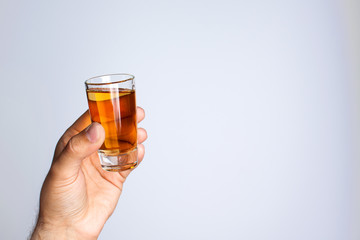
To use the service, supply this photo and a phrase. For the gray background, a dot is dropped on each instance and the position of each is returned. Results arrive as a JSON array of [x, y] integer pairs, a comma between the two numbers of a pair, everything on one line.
[[252, 112]]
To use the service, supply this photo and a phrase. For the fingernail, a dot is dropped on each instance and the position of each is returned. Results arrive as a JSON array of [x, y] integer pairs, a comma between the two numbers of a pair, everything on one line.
[[92, 133]]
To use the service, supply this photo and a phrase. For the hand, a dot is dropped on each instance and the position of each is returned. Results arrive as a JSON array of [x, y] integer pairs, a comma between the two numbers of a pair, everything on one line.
[[78, 196]]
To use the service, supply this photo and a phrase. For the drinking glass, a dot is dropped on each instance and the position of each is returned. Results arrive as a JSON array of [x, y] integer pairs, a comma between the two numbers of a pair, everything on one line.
[[112, 103]]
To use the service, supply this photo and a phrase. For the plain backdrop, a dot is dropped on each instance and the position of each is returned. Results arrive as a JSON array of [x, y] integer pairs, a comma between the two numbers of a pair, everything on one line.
[[251, 111]]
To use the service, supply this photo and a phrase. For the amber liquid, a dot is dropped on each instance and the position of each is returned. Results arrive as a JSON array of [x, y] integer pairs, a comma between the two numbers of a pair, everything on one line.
[[115, 110]]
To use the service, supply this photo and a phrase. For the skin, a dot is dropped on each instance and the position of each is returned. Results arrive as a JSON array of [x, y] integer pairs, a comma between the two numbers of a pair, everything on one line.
[[78, 196]]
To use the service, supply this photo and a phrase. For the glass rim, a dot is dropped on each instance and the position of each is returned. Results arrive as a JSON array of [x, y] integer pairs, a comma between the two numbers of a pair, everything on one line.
[[131, 77]]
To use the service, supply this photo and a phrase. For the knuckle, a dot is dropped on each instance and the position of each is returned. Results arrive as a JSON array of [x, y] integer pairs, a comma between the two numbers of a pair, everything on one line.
[[141, 111], [143, 151], [72, 146], [142, 147], [63, 140], [146, 134], [142, 133]]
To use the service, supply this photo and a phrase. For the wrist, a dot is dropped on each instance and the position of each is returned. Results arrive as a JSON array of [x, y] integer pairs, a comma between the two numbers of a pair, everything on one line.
[[48, 231], [56, 231]]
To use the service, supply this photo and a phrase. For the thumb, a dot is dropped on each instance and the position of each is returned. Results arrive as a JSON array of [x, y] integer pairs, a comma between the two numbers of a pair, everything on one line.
[[78, 148]]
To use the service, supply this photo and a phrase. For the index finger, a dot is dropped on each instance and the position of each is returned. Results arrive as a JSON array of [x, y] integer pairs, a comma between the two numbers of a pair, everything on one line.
[[82, 122]]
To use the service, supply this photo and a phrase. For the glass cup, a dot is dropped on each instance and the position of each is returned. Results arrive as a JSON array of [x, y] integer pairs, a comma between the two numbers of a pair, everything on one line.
[[112, 103]]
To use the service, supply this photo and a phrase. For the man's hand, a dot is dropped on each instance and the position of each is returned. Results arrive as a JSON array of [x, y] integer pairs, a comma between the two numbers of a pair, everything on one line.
[[78, 196]]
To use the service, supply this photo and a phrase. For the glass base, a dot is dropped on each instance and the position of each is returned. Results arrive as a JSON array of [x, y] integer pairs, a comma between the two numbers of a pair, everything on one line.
[[112, 161]]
